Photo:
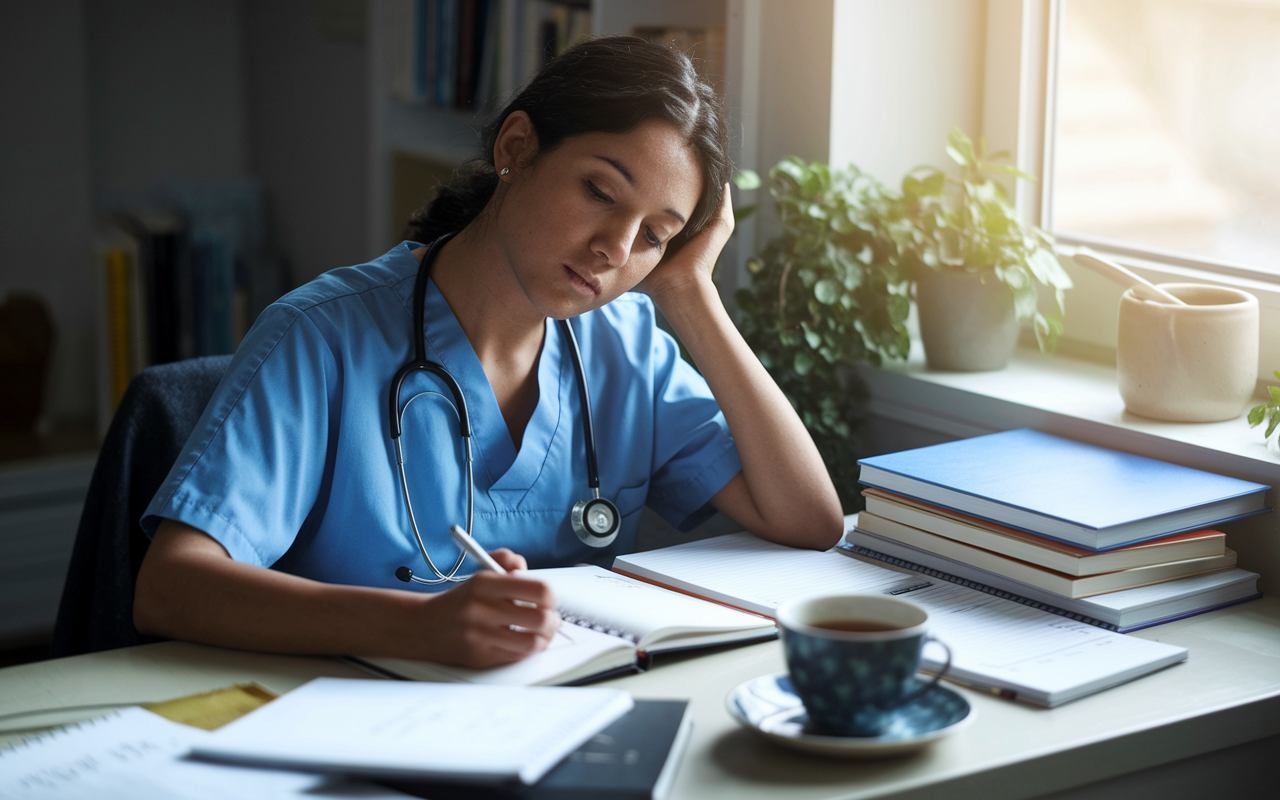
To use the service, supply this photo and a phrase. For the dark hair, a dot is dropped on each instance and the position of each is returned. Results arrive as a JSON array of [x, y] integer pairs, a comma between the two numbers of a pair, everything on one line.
[[610, 84]]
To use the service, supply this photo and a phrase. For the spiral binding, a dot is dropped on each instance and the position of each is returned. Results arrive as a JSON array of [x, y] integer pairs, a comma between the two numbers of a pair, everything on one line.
[[583, 622], [981, 587]]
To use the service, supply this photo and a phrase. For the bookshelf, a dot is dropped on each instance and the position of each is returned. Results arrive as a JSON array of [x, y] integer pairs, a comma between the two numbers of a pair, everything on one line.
[[413, 145]]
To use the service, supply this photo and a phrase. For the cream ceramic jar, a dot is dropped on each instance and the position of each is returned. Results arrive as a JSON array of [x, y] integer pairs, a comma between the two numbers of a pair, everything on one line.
[[1192, 363]]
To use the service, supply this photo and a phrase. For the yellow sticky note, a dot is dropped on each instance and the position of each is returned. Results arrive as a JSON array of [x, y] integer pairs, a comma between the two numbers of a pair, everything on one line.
[[212, 710]]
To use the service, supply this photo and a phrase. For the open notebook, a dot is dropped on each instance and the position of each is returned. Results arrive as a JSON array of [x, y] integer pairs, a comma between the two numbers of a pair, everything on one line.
[[999, 645], [612, 624]]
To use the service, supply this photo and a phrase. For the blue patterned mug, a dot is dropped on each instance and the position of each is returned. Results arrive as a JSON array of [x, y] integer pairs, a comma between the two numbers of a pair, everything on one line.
[[853, 659]]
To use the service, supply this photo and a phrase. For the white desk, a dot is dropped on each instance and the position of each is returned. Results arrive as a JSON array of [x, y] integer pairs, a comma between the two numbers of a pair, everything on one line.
[[1226, 694]]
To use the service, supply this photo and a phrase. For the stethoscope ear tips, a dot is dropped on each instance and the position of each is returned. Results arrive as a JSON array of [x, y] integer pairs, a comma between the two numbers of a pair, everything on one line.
[[404, 573], [596, 522]]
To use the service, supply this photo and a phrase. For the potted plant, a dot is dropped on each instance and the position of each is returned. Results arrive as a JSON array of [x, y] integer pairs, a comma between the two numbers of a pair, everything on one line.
[[826, 293], [976, 266]]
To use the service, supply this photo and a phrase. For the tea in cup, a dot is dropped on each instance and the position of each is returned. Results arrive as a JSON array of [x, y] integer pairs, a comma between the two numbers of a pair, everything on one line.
[[853, 659]]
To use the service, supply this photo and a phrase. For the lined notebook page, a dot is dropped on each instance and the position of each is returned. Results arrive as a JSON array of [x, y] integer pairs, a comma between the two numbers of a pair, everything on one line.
[[1039, 657], [134, 754], [621, 606], [997, 644]]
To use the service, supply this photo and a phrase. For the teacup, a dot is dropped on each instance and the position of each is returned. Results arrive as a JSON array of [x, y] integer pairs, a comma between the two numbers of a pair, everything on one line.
[[853, 659]]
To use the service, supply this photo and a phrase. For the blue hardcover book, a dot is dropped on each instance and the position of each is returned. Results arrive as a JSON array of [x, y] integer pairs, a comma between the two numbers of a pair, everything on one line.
[[1082, 494]]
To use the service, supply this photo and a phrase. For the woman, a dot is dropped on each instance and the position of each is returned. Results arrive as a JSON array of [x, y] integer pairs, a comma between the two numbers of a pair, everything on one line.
[[282, 526]]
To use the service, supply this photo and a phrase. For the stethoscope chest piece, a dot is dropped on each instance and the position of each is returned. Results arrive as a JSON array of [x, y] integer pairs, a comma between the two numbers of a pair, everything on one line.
[[596, 522]]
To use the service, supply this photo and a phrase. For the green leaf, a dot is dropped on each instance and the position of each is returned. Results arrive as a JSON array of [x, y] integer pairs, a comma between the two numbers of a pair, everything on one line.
[[739, 214], [935, 183], [1046, 268], [1271, 425], [803, 363], [1014, 171], [746, 180], [826, 291], [1275, 393], [960, 148], [1256, 415]]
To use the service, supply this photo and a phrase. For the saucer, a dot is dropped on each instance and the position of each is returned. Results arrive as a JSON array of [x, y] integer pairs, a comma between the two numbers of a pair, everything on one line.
[[769, 706]]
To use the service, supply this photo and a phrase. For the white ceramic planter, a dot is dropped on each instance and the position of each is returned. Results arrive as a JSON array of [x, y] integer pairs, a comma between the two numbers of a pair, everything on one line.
[[1192, 363], [967, 322]]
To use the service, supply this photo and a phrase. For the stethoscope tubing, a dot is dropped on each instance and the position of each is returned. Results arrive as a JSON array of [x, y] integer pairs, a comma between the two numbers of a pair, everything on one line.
[[420, 363]]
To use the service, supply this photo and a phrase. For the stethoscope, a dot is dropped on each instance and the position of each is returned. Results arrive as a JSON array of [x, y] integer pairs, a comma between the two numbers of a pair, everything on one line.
[[595, 521]]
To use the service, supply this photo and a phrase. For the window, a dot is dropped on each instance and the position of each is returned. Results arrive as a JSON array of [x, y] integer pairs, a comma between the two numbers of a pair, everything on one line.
[[1163, 139], [1151, 127]]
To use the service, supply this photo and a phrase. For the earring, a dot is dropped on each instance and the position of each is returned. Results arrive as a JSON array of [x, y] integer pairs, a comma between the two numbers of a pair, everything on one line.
[[505, 171]]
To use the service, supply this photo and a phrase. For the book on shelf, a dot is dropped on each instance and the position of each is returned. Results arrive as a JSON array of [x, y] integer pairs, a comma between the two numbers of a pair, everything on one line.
[[1123, 611], [474, 54], [182, 272], [634, 758], [1082, 494], [430, 731], [121, 320], [998, 645], [613, 624], [1034, 575], [1047, 553]]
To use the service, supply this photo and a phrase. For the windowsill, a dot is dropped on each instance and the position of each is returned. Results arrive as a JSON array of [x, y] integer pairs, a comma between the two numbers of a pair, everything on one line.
[[1070, 397], [1079, 400]]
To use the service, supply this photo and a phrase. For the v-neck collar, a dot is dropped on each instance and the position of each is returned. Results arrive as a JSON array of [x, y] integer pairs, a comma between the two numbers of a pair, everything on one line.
[[502, 473]]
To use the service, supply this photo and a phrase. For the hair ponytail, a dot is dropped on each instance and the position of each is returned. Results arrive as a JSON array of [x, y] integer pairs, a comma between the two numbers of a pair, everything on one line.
[[455, 204]]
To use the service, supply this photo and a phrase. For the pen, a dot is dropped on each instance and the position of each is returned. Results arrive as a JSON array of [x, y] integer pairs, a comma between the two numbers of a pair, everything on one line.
[[473, 549], [466, 542]]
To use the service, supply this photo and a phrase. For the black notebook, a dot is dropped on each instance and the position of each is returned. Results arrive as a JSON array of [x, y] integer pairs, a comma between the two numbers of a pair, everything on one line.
[[635, 758]]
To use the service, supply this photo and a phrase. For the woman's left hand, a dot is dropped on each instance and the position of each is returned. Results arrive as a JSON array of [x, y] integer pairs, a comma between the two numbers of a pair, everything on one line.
[[695, 262]]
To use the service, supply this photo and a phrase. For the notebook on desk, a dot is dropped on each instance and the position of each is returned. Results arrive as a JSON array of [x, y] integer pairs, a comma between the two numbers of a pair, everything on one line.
[[1001, 646], [613, 624]]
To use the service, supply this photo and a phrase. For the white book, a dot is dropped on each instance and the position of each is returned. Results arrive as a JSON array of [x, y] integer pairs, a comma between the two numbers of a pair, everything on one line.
[[613, 623], [429, 731], [1124, 611], [998, 645]]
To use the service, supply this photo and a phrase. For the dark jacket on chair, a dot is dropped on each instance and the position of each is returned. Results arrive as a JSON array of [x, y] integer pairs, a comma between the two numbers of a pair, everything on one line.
[[156, 416]]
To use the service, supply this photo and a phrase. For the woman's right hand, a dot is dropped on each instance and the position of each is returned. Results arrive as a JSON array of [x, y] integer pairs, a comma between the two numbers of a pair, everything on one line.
[[491, 619], [189, 588]]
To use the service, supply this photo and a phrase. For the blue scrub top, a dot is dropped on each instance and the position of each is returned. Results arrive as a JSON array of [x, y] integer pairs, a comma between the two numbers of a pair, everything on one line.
[[291, 465]]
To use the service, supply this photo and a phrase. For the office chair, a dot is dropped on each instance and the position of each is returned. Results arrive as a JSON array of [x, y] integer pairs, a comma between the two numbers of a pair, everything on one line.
[[156, 415]]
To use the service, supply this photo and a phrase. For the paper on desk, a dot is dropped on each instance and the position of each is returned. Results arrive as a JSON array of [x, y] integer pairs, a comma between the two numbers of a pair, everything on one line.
[[134, 753]]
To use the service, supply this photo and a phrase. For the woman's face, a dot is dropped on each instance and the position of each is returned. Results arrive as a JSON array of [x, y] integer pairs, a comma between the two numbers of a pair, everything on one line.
[[590, 219]]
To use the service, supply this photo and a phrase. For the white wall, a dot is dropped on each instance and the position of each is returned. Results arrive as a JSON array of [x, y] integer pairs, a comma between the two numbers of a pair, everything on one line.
[[166, 92], [904, 72], [44, 182], [308, 128]]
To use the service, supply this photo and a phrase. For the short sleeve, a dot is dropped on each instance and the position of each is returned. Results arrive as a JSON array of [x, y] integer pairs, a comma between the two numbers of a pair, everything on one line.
[[251, 472], [694, 453]]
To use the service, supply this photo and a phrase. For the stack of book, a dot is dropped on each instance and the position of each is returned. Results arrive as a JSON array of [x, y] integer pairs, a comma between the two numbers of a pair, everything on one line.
[[1109, 538], [182, 271]]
